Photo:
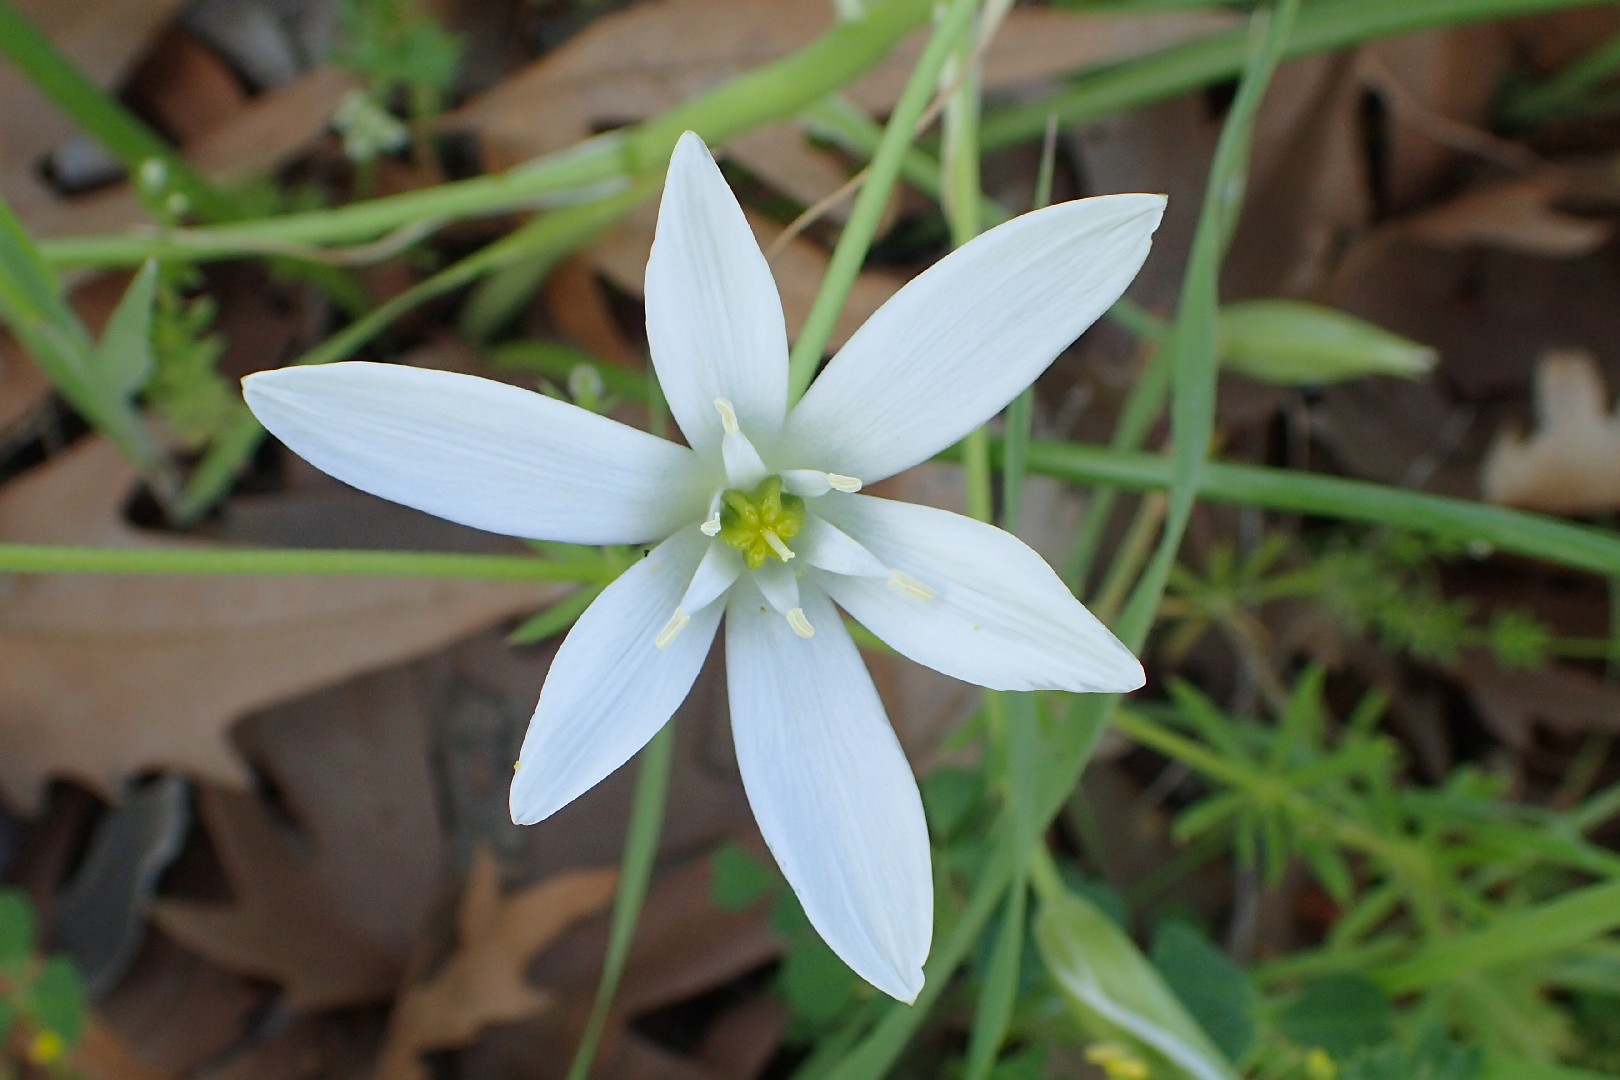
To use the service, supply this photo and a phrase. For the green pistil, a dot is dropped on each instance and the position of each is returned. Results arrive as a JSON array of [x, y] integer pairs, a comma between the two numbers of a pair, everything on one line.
[[759, 523]]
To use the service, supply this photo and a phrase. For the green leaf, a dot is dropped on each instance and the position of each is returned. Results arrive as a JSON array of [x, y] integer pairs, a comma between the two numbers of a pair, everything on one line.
[[57, 1000], [1340, 1014], [737, 879], [1117, 994], [1434, 1058], [1292, 343], [950, 799], [16, 929], [1219, 994], [817, 985], [124, 355]]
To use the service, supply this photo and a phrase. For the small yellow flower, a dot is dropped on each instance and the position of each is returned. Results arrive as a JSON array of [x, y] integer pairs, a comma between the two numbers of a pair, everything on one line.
[[1117, 1062], [46, 1048]]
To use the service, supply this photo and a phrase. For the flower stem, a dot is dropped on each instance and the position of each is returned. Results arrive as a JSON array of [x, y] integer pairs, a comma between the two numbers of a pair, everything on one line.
[[56, 559]]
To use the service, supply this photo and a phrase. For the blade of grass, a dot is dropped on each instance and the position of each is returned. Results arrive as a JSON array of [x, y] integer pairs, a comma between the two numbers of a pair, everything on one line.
[[109, 123], [1322, 26], [1515, 936], [635, 874], [1536, 536], [1063, 760], [33, 307], [590, 169]]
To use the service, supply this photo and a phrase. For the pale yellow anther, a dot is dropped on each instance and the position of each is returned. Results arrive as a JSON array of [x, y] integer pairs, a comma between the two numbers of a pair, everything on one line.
[[800, 624], [712, 526], [909, 585], [672, 629], [728, 416], [783, 552], [840, 482]]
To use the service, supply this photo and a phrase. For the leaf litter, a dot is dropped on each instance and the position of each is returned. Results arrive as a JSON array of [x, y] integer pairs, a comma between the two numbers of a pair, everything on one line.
[[342, 741]]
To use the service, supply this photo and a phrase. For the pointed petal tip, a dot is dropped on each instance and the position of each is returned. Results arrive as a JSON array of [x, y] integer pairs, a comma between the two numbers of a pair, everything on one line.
[[529, 807], [906, 988]]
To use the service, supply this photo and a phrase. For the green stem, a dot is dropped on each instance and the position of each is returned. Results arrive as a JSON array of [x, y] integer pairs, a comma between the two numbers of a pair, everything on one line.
[[635, 875], [264, 562]]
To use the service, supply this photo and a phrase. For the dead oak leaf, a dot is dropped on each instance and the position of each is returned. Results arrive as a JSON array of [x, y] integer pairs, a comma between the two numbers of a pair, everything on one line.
[[284, 925], [1571, 464], [102, 676], [483, 983]]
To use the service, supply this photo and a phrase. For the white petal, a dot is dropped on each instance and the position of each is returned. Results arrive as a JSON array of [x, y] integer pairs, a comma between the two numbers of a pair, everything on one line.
[[831, 788], [483, 453], [610, 688], [962, 339], [714, 319], [827, 547], [998, 617], [721, 566], [779, 586]]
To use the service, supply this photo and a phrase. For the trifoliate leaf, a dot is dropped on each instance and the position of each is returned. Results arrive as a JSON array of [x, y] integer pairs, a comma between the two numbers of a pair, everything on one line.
[[1218, 993], [1341, 1014], [16, 929]]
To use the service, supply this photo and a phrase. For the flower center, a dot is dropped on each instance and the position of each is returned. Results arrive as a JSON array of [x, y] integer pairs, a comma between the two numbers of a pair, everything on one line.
[[759, 523]]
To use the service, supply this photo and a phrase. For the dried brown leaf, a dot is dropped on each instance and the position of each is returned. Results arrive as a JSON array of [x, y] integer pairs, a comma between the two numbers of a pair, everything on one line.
[[102, 1055], [1519, 215], [1571, 464], [641, 61], [484, 982], [284, 925]]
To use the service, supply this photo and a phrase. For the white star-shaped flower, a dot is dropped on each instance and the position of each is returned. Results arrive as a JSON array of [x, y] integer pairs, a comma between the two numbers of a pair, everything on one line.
[[757, 520]]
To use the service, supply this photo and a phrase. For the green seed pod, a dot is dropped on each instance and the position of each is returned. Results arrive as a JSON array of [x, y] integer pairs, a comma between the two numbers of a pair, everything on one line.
[[1293, 343]]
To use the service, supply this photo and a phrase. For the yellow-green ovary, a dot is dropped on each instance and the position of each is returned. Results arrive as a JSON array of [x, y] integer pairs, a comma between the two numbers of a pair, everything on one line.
[[759, 523]]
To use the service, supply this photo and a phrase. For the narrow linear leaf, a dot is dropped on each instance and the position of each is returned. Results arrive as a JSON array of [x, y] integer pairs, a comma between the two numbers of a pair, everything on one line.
[[123, 359]]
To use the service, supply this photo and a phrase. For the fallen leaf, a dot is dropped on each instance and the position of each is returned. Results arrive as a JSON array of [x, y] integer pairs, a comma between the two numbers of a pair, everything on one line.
[[186, 86], [283, 925], [103, 676], [483, 983], [104, 39], [1571, 464], [1437, 89], [175, 1011], [102, 1055], [1514, 703], [636, 63], [1521, 215], [269, 131]]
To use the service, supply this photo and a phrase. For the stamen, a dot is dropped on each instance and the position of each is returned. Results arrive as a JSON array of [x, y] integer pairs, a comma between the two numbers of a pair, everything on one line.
[[712, 526], [783, 552], [728, 416], [843, 483], [909, 585], [672, 629], [800, 624]]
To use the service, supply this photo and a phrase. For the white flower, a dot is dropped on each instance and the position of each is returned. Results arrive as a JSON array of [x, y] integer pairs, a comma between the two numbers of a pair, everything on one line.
[[759, 521]]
